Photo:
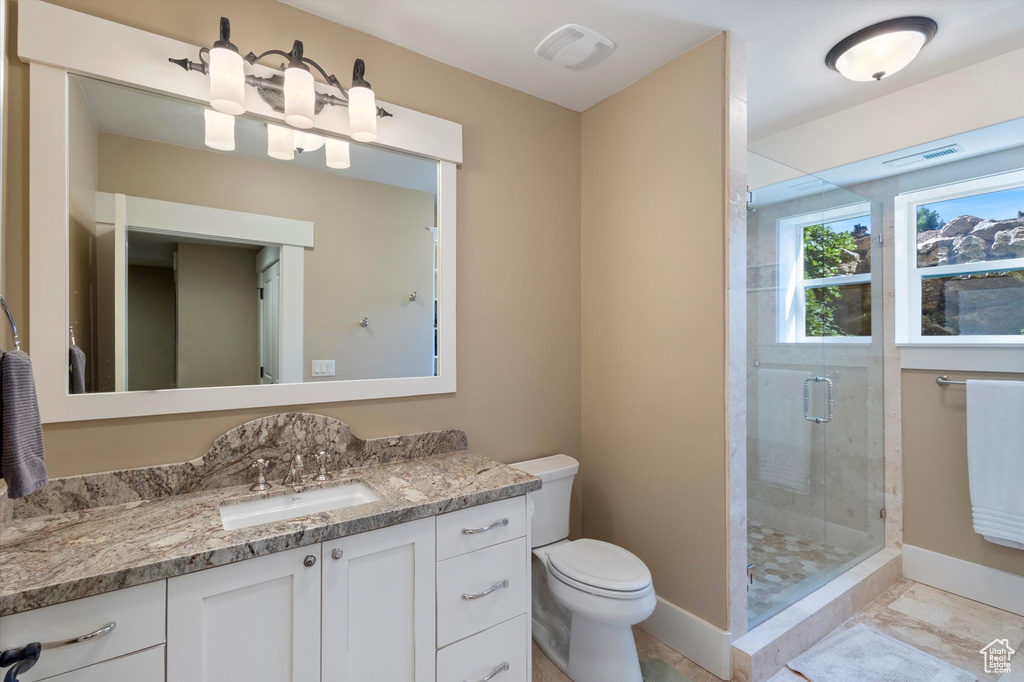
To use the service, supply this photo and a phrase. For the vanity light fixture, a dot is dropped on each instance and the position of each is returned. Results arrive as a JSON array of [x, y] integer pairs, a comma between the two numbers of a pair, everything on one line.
[[220, 130], [307, 142], [881, 49], [337, 152], [293, 94], [280, 142]]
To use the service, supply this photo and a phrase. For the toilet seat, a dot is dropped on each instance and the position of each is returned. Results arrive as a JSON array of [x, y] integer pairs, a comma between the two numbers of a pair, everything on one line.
[[600, 568]]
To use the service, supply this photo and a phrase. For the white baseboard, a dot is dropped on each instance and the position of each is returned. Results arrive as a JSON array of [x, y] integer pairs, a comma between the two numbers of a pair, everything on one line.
[[982, 584], [698, 640]]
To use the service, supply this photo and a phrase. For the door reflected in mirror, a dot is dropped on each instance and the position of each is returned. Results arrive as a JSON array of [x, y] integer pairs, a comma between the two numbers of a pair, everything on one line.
[[192, 267]]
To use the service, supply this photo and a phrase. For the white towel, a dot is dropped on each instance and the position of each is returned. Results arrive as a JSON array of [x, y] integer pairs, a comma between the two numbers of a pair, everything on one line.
[[995, 459], [784, 436]]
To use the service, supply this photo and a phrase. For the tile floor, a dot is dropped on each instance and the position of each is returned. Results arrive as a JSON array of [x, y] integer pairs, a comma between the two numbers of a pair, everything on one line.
[[787, 567], [944, 625], [648, 647]]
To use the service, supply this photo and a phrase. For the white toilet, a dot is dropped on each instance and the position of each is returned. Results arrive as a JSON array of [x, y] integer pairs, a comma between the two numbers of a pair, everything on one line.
[[587, 594]]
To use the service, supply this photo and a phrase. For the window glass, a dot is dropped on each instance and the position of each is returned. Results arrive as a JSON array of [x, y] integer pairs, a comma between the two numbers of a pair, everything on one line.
[[981, 304], [981, 227], [841, 247], [838, 311]]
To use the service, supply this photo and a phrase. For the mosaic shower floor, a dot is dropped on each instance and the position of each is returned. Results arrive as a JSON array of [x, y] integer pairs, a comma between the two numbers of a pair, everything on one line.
[[787, 567]]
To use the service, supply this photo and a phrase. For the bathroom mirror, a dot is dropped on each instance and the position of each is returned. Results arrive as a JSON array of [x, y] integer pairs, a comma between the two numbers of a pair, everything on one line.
[[155, 225], [193, 265]]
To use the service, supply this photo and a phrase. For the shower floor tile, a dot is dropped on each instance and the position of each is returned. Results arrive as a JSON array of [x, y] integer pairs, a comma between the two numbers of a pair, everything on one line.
[[787, 566]]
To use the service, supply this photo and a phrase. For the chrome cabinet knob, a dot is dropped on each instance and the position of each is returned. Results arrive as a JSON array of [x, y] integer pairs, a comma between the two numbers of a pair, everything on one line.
[[309, 561], [337, 553]]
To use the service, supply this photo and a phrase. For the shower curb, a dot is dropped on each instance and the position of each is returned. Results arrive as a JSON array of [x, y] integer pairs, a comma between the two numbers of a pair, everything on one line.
[[766, 649]]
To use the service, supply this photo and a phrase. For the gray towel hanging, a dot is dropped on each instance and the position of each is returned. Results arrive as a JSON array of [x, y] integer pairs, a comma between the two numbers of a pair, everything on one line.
[[21, 456]]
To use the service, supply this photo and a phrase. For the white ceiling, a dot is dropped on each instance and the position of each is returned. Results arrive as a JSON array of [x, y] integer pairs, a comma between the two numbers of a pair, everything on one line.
[[786, 43]]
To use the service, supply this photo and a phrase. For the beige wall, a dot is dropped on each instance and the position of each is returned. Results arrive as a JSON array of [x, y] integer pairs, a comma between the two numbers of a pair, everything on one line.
[[653, 254], [518, 260], [937, 500], [151, 328], [371, 246], [218, 316]]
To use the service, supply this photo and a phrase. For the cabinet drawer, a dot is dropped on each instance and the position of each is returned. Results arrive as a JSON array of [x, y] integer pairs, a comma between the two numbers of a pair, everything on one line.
[[144, 666], [475, 658], [492, 523], [471, 575], [138, 612]]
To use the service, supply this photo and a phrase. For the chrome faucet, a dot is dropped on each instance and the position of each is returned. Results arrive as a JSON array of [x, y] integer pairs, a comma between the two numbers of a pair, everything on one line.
[[294, 477]]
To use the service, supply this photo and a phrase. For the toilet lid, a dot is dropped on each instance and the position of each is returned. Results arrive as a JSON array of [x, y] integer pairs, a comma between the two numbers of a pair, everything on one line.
[[600, 564]]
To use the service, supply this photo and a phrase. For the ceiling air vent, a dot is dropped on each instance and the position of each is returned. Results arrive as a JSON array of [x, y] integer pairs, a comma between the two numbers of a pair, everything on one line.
[[948, 150], [575, 47]]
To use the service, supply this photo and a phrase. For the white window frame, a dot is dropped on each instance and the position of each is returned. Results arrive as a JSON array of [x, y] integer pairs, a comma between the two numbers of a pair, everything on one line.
[[909, 276], [792, 287]]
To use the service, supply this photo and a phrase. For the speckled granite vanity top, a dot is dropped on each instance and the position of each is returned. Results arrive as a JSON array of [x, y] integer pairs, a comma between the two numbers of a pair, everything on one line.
[[90, 534]]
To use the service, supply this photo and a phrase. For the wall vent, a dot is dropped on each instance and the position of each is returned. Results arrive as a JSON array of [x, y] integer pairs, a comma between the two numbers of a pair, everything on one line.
[[923, 156], [575, 47]]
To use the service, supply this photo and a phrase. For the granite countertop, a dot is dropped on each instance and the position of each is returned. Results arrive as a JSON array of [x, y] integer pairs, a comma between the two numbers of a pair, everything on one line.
[[56, 557]]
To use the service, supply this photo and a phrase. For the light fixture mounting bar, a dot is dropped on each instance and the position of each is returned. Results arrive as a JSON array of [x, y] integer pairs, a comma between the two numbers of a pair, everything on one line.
[[271, 90]]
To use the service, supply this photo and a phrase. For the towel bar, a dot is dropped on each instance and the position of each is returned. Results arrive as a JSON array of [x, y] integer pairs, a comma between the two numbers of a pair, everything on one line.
[[14, 326], [943, 380]]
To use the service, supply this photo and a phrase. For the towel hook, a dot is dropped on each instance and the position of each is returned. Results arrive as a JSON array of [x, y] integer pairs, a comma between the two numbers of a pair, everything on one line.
[[14, 326], [71, 331]]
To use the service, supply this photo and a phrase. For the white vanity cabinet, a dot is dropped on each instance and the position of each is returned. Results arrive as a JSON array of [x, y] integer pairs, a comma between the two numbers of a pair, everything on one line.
[[256, 620], [440, 599], [378, 605]]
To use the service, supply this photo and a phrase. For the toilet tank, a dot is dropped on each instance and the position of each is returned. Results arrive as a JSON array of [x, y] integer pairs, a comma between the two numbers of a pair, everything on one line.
[[550, 522]]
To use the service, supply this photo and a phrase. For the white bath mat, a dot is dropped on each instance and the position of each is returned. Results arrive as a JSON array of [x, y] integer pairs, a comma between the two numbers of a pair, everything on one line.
[[862, 654]]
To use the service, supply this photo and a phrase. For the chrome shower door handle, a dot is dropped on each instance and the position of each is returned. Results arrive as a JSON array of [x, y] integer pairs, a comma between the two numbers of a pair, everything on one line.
[[830, 400]]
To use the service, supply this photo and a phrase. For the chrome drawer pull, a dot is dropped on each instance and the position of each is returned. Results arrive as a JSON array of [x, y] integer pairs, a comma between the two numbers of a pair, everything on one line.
[[474, 531], [500, 669], [105, 630], [492, 588]]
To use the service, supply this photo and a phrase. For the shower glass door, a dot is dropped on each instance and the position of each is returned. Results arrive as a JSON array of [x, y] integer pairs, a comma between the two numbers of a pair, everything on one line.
[[814, 385]]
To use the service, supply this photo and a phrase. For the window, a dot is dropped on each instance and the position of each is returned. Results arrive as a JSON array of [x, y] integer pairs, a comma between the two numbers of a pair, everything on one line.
[[960, 263], [825, 276]]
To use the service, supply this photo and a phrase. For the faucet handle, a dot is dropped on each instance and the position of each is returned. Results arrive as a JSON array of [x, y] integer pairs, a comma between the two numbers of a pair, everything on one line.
[[322, 459], [260, 465]]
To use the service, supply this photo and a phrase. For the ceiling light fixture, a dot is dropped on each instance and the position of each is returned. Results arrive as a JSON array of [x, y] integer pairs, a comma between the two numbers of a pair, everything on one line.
[[882, 49], [292, 94]]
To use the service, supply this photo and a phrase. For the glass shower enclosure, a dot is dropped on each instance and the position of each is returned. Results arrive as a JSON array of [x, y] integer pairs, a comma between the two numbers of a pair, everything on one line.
[[815, 492]]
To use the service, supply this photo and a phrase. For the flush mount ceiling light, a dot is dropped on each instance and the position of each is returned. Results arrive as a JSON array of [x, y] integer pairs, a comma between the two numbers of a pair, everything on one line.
[[882, 49], [292, 94]]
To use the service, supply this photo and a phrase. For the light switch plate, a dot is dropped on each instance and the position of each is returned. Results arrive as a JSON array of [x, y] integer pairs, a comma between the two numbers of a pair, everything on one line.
[[323, 368]]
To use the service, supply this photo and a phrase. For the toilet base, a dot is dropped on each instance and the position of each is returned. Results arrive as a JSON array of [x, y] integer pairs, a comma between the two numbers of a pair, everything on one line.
[[599, 652]]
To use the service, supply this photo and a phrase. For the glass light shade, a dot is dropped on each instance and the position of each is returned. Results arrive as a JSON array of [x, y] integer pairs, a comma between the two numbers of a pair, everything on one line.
[[338, 154], [299, 97], [308, 142], [362, 114], [280, 142], [220, 130], [880, 56], [227, 81]]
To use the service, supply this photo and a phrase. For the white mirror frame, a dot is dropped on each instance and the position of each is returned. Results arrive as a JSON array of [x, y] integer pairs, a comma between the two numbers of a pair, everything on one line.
[[56, 42]]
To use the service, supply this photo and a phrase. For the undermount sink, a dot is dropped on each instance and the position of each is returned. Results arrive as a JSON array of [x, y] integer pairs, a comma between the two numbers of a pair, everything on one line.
[[281, 507]]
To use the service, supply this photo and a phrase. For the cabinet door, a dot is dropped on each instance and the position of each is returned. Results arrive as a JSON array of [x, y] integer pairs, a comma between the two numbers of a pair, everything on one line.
[[256, 620], [378, 605]]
